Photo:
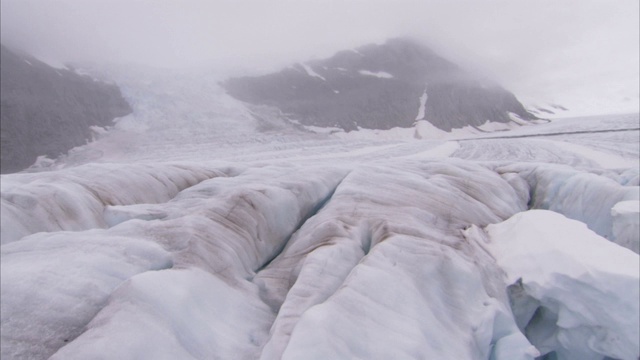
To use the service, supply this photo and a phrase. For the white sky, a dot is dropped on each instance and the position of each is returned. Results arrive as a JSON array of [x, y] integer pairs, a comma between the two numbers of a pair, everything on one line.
[[539, 48]]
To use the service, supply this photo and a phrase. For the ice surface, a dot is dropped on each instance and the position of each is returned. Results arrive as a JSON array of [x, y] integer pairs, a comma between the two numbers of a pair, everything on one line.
[[366, 283], [605, 160], [626, 218], [201, 317], [191, 230], [75, 199], [228, 226], [221, 234], [53, 285], [579, 195], [585, 289]]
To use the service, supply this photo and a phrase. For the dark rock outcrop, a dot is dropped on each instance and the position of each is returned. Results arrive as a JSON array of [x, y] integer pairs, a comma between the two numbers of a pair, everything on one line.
[[47, 111], [379, 87]]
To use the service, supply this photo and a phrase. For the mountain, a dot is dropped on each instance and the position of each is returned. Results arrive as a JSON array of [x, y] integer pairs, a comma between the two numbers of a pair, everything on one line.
[[196, 235], [47, 111], [193, 230], [381, 87]]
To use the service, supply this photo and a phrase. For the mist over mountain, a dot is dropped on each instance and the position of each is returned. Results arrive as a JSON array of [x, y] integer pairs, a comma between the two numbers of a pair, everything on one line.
[[47, 111], [381, 87]]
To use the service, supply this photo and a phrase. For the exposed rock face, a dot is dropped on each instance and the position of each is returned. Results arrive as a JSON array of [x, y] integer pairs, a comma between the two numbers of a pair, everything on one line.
[[47, 111], [379, 87]]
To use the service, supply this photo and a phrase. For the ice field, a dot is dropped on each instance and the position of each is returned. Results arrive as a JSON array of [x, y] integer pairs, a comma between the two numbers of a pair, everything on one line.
[[192, 230]]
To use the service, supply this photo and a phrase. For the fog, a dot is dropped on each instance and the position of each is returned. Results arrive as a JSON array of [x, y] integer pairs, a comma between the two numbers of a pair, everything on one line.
[[536, 48]]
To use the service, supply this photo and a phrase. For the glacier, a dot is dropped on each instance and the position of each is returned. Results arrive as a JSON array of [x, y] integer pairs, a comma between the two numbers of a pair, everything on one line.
[[562, 280], [249, 241]]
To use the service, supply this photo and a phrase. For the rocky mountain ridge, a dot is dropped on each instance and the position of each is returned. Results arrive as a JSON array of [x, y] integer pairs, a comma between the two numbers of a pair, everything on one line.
[[381, 87], [48, 111]]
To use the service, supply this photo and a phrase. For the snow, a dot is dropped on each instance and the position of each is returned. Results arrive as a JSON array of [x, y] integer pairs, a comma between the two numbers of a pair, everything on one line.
[[378, 74], [185, 231], [75, 199], [579, 195], [98, 130], [517, 119], [605, 160], [84, 72], [579, 125], [52, 61], [312, 73], [626, 219], [54, 283], [442, 151], [426, 130], [491, 126], [532, 150], [202, 317], [423, 103], [581, 102], [366, 284], [422, 129], [404, 312], [390, 134], [42, 161], [575, 278], [323, 130]]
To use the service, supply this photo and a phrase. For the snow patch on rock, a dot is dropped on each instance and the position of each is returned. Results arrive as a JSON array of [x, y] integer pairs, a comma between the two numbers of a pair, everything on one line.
[[378, 74], [312, 73]]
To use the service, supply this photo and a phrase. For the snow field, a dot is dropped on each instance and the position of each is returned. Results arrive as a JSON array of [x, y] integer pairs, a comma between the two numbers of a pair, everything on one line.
[[317, 246], [279, 261], [215, 236]]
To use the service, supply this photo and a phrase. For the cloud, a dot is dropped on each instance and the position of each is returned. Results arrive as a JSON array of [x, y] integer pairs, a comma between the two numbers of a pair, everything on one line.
[[528, 46]]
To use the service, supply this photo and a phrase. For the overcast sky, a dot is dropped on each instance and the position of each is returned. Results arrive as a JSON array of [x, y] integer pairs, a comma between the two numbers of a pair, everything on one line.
[[533, 47]]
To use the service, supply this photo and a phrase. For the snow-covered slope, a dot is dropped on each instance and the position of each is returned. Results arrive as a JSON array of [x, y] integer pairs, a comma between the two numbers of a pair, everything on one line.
[[195, 230]]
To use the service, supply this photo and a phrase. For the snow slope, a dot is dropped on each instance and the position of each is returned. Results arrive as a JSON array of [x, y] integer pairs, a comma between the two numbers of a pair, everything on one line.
[[195, 230]]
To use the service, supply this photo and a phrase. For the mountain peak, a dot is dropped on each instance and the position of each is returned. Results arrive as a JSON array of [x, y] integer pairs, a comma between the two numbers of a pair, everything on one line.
[[380, 86]]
